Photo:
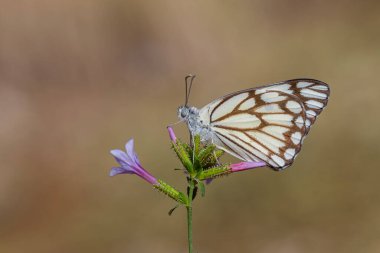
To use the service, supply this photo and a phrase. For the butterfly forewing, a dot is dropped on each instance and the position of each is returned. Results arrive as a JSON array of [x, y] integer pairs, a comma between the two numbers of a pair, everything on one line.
[[267, 123], [314, 95]]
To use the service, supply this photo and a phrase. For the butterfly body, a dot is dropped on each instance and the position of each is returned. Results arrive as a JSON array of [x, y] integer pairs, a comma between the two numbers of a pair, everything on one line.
[[267, 123], [196, 125]]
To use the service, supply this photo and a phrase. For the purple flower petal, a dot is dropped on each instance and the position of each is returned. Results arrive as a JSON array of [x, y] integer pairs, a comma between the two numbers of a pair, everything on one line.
[[209, 180], [120, 156], [147, 176], [130, 164], [129, 147], [118, 170]]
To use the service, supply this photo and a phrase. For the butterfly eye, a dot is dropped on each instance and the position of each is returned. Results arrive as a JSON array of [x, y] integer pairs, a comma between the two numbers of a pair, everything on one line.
[[184, 113]]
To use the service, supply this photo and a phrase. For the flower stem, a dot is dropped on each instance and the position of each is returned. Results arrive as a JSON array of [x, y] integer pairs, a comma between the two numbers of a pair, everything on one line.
[[190, 216]]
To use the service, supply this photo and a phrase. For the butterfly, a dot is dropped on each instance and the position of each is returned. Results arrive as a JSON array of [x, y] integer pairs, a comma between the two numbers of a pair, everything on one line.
[[267, 123]]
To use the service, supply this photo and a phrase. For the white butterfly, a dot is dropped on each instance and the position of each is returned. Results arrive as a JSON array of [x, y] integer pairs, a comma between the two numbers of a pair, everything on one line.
[[268, 123]]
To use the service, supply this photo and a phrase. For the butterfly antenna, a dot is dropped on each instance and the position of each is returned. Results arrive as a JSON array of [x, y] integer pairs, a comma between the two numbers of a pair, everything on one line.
[[180, 121], [188, 83]]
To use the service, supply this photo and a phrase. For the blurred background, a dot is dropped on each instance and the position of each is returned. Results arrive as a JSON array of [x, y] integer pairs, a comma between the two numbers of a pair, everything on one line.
[[79, 78]]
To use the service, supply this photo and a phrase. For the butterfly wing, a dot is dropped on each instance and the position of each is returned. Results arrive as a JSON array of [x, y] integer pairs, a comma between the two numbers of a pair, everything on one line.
[[313, 94], [267, 123]]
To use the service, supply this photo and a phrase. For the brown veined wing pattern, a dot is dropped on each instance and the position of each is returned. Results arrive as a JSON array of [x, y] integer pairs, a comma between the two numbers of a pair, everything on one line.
[[267, 123], [313, 94]]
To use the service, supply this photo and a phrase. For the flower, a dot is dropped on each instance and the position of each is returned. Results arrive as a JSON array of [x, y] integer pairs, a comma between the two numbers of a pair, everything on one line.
[[130, 164], [246, 166], [172, 134]]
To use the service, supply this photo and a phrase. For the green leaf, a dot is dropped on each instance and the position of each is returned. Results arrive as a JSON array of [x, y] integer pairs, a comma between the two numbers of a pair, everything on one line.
[[171, 192], [183, 198], [197, 144], [183, 156], [197, 165], [213, 159], [202, 188], [194, 194], [214, 172], [206, 152], [188, 149], [218, 153]]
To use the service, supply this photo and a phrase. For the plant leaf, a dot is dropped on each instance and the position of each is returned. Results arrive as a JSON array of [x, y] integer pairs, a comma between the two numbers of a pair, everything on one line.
[[172, 210], [197, 144], [183, 156], [202, 188], [206, 152]]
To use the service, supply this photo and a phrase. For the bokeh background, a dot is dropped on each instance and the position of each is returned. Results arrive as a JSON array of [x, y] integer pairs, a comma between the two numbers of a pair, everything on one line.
[[78, 78]]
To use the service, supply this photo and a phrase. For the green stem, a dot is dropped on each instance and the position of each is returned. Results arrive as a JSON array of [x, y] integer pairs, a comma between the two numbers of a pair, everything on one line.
[[190, 217]]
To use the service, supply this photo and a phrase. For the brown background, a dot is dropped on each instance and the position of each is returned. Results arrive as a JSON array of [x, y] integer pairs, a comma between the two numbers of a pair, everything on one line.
[[78, 78]]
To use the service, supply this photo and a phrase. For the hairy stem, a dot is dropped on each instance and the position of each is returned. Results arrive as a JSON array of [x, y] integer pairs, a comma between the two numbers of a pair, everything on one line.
[[190, 216]]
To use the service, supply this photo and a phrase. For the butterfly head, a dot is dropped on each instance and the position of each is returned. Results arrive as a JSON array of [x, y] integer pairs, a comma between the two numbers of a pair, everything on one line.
[[186, 112]]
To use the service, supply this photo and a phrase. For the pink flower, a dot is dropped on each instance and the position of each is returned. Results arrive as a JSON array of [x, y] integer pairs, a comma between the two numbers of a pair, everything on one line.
[[172, 134], [246, 166]]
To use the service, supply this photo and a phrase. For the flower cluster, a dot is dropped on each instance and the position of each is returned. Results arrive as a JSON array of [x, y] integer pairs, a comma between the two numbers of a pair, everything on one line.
[[199, 161]]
